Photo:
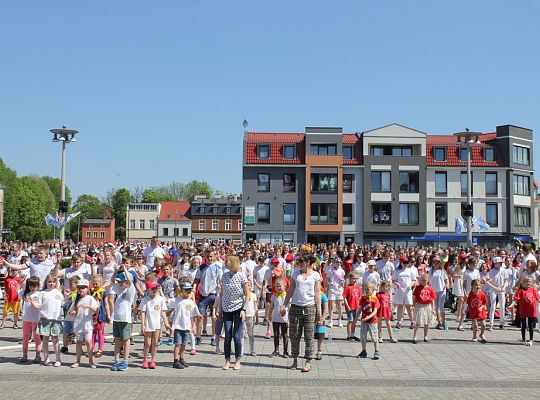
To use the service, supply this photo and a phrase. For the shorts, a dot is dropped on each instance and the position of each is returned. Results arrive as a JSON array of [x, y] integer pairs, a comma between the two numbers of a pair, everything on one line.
[[68, 327], [206, 303], [181, 337], [121, 330], [83, 336], [403, 297], [49, 327], [372, 329], [335, 294], [14, 306], [351, 315], [319, 335]]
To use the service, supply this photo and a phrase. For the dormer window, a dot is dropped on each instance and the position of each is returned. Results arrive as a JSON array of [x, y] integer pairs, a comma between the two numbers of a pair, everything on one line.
[[439, 154], [463, 154], [263, 151], [202, 209], [288, 152], [347, 152], [489, 154], [215, 210]]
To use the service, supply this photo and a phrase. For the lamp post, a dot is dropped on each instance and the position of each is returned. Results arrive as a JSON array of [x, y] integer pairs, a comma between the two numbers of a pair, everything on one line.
[[65, 136], [469, 139]]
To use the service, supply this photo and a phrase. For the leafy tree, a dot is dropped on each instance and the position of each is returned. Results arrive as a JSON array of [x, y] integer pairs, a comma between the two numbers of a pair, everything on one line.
[[156, 195], [195, 188], [119, 201], [90, 207], [8, 179], [55, 184]]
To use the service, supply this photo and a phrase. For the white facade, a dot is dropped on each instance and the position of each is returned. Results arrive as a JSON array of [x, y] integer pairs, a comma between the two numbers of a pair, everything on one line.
[[142, 221], [174, 231]]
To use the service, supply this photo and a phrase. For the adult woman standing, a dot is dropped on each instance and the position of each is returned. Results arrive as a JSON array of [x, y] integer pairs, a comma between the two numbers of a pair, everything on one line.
[[305, 297], [234, 299]]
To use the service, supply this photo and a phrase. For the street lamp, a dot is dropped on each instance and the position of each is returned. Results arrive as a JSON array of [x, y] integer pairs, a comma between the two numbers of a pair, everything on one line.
[[468, 138], [65, 136]]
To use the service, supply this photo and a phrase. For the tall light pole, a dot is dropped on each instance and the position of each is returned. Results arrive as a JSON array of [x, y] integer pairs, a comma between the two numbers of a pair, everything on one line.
[[65, 136], [468, 139]]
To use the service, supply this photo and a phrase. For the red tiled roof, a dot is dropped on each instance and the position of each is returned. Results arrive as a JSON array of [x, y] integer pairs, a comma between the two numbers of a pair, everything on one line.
[[274, 137], [276, 141], [351, 138], [174, 211], [452, 152]]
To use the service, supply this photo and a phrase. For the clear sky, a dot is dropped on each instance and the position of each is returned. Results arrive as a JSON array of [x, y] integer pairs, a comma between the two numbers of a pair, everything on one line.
[[159, 89]]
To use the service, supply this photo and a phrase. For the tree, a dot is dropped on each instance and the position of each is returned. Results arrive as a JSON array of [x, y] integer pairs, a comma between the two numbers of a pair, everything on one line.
[[119, 201], [156, 195], [90, 206], [195, 188], [8, 179], [55, 184]]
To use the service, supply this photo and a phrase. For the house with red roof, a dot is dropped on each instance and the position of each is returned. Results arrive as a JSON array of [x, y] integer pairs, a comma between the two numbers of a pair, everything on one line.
[[392, 184], [174, 222]]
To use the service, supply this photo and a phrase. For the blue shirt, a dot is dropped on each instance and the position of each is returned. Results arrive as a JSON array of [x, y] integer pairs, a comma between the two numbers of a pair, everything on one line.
[[322, 328]]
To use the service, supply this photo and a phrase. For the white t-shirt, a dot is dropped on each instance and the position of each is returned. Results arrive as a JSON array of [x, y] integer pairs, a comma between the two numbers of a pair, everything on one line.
[[372, 277], [50, 304], [468, 277], [404, 277], [277, 304], [498, 277], [184, 310], [41, 270], [528, 257], [152, 309], [336, 278], [151, 254], [25, 273], [83, 320], [107, 271], [122, 304], [304, 292], [359, 269], [30, 313], [259, 275], [84, 272], [437, 278], [248, 267]]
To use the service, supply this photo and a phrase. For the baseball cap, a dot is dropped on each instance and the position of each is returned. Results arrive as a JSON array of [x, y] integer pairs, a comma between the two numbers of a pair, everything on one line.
[[186, 286], [497, 260], [371, 262], [404, 259], [275, 260], [289, 257], [82, 283], [463, 256], [121, 277], [151, 284], [436, 258]]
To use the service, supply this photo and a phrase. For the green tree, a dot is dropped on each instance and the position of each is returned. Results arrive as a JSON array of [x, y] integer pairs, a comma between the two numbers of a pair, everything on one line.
[[8, 179], [119, 201], [55, 184], [195, 188], [156, 195], [90, 207]]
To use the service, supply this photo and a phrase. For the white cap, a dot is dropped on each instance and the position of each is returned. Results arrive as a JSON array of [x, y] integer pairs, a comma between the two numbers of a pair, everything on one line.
[[497, 260], [83, 282]]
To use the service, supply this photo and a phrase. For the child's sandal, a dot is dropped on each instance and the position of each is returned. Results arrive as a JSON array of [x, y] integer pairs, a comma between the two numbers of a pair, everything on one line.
[[307, 367], [98, 354]]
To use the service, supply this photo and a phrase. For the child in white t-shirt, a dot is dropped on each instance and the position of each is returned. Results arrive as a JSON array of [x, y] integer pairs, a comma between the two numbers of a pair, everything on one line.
[[153, 309], [279, 322], [30, 318], [83, 309]]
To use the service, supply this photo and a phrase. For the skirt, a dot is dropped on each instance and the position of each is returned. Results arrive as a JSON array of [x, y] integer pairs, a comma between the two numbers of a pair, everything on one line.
[[49, 327], [424, 314], [457, 288]]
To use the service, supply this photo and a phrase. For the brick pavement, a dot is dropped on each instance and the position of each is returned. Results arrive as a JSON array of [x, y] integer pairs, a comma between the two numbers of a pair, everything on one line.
[[449, 366]]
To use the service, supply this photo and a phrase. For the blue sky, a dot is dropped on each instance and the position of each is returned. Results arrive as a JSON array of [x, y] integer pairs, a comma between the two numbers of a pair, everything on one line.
[[158, 90]]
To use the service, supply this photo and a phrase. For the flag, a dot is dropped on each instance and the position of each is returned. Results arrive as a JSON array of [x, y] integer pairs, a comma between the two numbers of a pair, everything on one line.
[[475, 226], [482, 224], [60, 220], [460, 225], [50, 220]]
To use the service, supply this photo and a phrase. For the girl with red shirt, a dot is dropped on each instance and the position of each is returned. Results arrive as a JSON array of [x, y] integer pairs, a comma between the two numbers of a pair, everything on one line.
[[477, 303], [526, 299], [424, 304], [384, 312]]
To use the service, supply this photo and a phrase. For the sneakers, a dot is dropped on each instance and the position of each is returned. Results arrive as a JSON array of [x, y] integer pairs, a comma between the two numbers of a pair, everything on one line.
[[426, 339], [363, 354], [392, 340], [501, 326], [376, 355], [123, 366], [144, 364], [253, 354], [460, 328], [318, 356], [57, 364], [397, 328], [274, 354], [114, 366], [285, 355], [37, 359], [355, 338], [152, 365], [177, 365], [193, 352], [414, 341], [170, 342], [265, 322], [381, 340], [445, 326], [204, 333], [64, 350], [440, 327], [213, 341], [184, 363], [197, 340], [412, 325], [75, 365], [159, 342], [340, 324], [490, 328], [267, 336]]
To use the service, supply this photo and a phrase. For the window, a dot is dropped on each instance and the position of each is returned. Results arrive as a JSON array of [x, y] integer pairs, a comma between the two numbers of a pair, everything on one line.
[[520, 155], [95, 235], [239, 224], [492, 214], [289, 183], [382, 213], [102, 235], [131, 224], [165, 231], [440, 184], [88, 235], [324, 183], [202, 224], [323, 149], [489, 154], [228, 224], [141, 224], [348, 180], [408, 182], [263, 213], [463, 154], [491, 184], [439, 153], [263, 182], [441, 214], [463, 178], [323, 213], [288, 152], [289, 213], [401, 151], [227, 210], [202, 209], [215, 210], [380, 181], [184, 231], [377, 151], [176, 231], [263, 151], [347, 214], [522, 216], [102, 226], [522, 185], [152, 224], [215, 224], [347, 152], [408, 213]]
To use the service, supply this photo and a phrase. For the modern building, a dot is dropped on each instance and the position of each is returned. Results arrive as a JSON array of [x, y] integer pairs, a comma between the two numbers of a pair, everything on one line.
[[216, 219], [174, 223], [96, 230], [141, 221], [392, 184]]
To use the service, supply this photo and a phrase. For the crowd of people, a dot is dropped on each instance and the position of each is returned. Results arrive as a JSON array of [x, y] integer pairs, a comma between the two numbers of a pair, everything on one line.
[[68, 293]]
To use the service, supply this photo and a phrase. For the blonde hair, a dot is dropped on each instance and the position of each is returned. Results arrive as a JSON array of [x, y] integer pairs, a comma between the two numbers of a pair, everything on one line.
[[233, 263]]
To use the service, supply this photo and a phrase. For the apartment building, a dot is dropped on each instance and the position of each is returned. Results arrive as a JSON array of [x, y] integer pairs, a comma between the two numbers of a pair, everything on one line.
[[141, 221], [392, 184], [174, 223], [216, 219]]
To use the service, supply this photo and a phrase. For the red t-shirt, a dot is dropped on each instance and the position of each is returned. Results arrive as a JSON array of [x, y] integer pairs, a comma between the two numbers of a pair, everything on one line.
[[384, 311], [12, 286], [424, 294], [369, 304], [475, 301], [352, 293], [347, 265], [527, 299]]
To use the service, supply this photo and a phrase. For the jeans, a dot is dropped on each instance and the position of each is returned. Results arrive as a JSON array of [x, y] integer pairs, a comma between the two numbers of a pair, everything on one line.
[[233, 331]]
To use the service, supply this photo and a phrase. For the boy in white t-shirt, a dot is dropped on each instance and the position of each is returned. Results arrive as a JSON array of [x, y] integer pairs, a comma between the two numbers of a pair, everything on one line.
[[184, 309], [122, 296]]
